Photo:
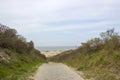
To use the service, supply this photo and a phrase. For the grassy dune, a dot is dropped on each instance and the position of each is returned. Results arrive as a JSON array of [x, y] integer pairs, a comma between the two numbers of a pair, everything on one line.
[[18, 57], [100, 65], [20, 66], [98, 58]]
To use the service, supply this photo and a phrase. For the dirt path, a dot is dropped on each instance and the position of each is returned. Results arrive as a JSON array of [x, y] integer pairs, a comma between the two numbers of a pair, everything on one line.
[[56, 71]]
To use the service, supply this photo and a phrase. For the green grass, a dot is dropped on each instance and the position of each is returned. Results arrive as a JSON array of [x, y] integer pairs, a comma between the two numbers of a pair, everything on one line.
[[20, 67], [100, 65]]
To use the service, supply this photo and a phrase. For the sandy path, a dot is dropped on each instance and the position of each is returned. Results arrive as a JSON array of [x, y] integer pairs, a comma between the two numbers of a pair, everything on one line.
[[56, 71]]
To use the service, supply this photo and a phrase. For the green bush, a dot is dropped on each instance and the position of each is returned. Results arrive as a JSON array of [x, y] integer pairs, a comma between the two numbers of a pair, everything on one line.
[[23, 57]]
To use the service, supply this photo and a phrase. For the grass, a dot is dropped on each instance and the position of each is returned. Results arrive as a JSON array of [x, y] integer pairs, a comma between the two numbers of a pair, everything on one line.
[[18, 57], [20, 67], [100, 65]]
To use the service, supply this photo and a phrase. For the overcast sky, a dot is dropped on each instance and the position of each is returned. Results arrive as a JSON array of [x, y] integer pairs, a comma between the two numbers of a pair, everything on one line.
[[60, 22]]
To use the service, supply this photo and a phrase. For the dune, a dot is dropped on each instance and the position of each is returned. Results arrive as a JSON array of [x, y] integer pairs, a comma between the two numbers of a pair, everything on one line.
[[51, 53]]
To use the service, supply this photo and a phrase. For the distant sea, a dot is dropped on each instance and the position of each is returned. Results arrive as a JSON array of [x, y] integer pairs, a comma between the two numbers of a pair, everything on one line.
[[56, 48]]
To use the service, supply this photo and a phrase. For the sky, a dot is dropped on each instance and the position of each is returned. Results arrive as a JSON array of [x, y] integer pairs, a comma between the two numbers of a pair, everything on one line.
[[60, 22]]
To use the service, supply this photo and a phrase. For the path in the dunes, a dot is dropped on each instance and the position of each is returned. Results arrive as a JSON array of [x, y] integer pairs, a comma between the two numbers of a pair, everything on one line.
[[56, 71]]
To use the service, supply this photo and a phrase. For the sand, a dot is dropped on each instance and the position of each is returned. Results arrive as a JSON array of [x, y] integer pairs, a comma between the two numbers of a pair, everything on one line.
[[52, 52]]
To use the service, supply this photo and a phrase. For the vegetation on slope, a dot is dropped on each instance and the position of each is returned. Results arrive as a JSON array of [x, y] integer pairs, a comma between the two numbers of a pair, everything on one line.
[[18, 58], [98, 58]]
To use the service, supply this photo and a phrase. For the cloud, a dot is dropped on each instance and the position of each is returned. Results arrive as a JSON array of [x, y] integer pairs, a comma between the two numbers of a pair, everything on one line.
[[81, 26], [34, 28], [58, 10], [46, 16]]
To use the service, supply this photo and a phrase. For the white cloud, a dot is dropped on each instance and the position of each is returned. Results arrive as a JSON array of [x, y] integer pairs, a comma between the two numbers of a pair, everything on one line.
[[34, 28], [80, 26], [57, 10], [32, 16]]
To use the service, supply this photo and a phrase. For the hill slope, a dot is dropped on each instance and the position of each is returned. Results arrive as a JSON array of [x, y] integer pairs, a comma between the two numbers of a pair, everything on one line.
[[98, 58], [18, 57]]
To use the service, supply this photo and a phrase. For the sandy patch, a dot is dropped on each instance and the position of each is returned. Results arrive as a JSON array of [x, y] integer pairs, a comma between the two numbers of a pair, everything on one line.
[[52, 52]]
